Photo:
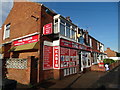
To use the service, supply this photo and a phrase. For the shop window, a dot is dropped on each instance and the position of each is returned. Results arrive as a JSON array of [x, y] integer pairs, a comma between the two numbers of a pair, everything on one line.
[[62, 29], [75, 70], [84, 60], [65, 72], [7, 31], [71, 70]]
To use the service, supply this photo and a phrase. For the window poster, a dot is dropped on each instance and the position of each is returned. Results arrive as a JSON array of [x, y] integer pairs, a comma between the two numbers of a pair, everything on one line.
[[73, 58], [48, 57], [68, 57], [64, 57]]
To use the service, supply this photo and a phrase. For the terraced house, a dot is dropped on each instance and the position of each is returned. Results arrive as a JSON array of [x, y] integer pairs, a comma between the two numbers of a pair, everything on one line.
[[40, 44]]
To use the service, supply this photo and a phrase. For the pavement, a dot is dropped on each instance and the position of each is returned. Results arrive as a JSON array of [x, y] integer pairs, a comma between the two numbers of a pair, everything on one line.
[[110, 80], [90, 79], [83, 80]]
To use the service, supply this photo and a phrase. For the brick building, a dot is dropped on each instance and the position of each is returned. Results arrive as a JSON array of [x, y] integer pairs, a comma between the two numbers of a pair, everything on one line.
[[110, 53], [40, 44]]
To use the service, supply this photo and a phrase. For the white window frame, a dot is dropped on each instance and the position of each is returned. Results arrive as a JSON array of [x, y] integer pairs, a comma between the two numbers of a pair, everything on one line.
[[5, 31], [70, 28]]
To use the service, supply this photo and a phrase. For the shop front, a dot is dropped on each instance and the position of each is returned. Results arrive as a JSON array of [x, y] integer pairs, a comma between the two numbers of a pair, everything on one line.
[[85, 60], [23, 59], [68, 58]]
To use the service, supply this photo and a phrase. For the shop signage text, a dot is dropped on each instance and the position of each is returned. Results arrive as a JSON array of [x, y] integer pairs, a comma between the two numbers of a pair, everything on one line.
[[56, 57], [47, 29], [26, 40], [71, 44], [48, 57]]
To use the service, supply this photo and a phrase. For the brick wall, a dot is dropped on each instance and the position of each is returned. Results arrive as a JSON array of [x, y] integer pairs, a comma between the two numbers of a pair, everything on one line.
[[22, 22], [45, 19], [22, 76], [94, 44]]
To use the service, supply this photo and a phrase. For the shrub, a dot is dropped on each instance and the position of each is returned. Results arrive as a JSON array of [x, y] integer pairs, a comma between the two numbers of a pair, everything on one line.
[[108, 61]]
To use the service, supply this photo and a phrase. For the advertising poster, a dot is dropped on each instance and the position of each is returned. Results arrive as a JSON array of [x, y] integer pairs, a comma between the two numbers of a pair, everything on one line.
[[64, 57], [73, 58], [48, 57]]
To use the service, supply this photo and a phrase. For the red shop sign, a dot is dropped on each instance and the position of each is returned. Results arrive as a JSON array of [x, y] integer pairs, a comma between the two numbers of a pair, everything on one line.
[[56, 57], [48, 57], [26, 40], [47, 29], [65, 43], [75, 45]]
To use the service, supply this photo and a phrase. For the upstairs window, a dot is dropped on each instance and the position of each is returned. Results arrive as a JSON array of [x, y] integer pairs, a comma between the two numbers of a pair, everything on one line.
[[67, 29], [7, 31], [73, 33], [62, 29], [68, 32]]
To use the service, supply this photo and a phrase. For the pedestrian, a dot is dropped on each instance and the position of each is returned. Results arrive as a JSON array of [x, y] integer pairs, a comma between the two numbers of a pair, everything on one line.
[[107, 67]]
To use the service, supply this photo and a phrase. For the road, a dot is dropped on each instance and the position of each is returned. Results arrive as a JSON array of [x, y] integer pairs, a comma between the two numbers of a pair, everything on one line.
[[100, 81], [109, 80]]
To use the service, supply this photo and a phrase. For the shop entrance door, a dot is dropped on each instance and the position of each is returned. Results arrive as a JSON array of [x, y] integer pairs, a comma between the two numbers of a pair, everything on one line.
[[80, 62], [34, 67]]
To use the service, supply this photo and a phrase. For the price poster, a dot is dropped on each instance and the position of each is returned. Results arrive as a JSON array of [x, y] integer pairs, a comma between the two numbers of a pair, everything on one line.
[[48, 57]]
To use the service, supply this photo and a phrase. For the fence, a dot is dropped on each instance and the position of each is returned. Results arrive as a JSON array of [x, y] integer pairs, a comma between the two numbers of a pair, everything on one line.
[[16, 63], [18, 69]]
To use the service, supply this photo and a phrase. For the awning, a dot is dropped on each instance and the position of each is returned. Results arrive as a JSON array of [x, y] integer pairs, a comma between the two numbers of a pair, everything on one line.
[[29, 46]]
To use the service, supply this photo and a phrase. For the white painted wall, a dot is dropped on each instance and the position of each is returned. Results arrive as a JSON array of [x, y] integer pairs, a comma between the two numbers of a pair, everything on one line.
[[114, 58]]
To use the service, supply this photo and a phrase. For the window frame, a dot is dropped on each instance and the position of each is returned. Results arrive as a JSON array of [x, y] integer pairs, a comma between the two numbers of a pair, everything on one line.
[[6, 31]]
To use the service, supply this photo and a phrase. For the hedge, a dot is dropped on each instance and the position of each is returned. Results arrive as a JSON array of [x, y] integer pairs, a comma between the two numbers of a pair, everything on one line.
[[108, 61]]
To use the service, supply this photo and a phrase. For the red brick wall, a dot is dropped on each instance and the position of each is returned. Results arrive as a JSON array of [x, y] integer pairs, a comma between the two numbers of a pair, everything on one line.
[[94, 44], [23, 54], [45, 19], [21, 21], [22, 76]]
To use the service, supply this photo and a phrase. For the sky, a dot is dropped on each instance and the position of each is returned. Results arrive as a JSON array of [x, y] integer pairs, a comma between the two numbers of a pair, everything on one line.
[[99, 18]]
